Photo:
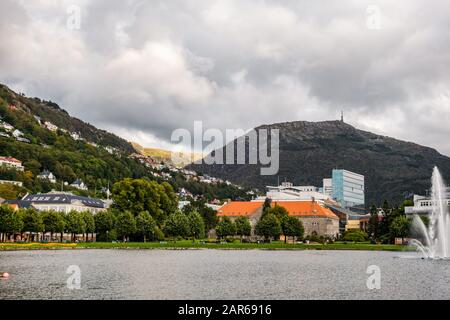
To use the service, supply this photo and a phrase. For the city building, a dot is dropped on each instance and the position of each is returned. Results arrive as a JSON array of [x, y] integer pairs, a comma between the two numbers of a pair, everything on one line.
[[316, 218], [47, 175], [348, 188], [234, 209], [11, 163], [287, 191], [59, 201], [327, 187], [422, 205]]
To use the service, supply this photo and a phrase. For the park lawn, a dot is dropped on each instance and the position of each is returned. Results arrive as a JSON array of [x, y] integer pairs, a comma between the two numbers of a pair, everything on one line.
[[189, 244]]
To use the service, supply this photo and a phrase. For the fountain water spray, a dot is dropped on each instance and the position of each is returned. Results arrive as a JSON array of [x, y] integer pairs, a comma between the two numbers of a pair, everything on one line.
[[436, 238]]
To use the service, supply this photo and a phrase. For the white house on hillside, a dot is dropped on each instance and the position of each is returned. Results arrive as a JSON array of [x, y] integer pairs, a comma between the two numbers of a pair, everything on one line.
[[79, 184], [11, 163], [47, 175]]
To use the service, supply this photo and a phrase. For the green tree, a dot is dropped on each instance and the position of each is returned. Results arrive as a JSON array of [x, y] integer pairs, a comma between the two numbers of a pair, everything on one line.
[[291, 227], [399, 227], [145, 225], [10, 222], [355, 236], [383, 226], [268, 227], [208, 214], [169, 199], [243, 227], [74, 224], [374, 223], [137, 195], [125, 225], [196, 225], [89, 222], [267, 204], [225, 228], [177, 225], [53, 222], [278, 211], [104, 221], [32, 222]]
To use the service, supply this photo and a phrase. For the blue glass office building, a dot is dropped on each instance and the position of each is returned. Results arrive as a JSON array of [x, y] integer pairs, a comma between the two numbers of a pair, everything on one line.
[[348, 188]]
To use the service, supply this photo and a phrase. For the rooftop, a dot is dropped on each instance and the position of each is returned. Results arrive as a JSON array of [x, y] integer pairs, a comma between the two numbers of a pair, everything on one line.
[[238, 208], [10, 159], [62, 197], [305, 209]]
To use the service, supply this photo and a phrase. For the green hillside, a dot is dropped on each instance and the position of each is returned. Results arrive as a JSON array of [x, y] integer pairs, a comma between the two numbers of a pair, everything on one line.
[[69, 159]]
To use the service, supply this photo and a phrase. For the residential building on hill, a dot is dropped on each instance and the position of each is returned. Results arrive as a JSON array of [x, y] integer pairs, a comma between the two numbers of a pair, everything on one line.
[[50, 126], [47, 175], [79, 184], [15, 183], [11, 163]]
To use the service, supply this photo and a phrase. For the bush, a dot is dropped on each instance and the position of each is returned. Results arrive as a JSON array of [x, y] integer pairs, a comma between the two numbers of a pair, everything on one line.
[[355, 236]]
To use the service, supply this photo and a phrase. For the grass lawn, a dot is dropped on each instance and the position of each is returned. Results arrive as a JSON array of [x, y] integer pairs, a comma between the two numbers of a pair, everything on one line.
[[188, 244]]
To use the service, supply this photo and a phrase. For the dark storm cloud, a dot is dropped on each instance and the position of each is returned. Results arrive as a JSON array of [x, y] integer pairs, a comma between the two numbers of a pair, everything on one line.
[[144, 68]]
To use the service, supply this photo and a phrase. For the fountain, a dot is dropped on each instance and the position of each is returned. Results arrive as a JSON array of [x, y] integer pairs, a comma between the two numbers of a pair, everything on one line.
[[436, 238]]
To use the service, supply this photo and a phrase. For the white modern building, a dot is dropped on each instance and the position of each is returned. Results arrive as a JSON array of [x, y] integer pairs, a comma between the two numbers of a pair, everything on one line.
[[422, 205], [288, 192], [327, 187]]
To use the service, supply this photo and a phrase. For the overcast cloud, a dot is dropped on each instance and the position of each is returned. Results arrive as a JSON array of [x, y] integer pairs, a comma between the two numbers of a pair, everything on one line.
[[144, 68]]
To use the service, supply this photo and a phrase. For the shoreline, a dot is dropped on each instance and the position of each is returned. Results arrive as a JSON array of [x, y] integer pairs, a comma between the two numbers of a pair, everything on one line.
[[189, 245]]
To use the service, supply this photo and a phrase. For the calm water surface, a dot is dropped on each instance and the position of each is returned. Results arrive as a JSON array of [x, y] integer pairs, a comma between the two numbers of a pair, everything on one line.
[[219, 274]]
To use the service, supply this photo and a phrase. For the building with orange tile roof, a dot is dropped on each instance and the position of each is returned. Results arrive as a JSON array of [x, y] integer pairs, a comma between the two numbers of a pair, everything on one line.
[[234, 209], [316, 219]]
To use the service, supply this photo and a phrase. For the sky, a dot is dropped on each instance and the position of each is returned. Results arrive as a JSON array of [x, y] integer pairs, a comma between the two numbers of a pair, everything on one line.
[[142, 69]]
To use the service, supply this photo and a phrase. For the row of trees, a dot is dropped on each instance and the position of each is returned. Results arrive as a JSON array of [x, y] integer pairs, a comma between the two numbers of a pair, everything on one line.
[[13, 223], [274, 222], [108, 225]]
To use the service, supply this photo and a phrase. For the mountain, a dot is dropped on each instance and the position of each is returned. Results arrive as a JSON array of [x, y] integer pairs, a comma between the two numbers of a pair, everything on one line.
[[51, 112], [43, 136], [163, 155], [309, 151]]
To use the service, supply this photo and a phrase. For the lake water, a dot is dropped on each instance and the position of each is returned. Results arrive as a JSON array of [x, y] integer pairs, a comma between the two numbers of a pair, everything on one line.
[[220, 274]]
